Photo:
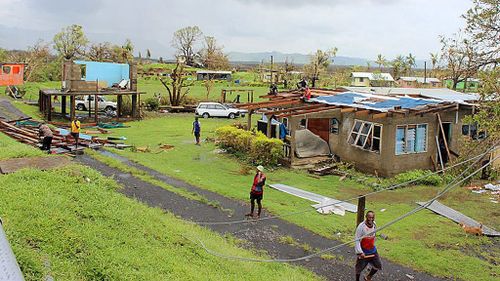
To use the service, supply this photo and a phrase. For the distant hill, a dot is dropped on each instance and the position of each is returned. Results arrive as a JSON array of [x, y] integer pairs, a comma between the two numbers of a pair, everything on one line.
[[298, 58]]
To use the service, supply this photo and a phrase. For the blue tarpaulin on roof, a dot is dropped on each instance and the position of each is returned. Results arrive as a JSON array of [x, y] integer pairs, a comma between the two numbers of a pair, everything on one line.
[[375, 102]]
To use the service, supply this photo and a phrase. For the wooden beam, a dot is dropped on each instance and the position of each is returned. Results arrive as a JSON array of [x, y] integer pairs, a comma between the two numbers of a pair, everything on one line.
[[362, 113], [380, 115], [258, 105], [348, 109], [302, 112], [311, 106], [444, 136], [435, 109]]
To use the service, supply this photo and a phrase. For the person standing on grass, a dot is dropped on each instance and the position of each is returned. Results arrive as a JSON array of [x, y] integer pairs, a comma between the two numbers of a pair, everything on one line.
[[46, 133], [196, 130], [366, 252], [75, 130], [259, 180]]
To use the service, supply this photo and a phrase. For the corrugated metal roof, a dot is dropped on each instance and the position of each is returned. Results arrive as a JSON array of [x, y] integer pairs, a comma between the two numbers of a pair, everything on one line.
[[443, 94], [420, 79], [373, 76], [373, 102], [212, 72]]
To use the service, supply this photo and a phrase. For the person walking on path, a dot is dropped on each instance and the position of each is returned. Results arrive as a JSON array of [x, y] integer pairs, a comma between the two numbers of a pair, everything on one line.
[[46, 133], [366, 252], [75, 130], [257, 191], [196, 130]]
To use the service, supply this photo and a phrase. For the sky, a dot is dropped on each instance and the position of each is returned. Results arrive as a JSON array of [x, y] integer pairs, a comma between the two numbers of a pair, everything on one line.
[[358, 28]]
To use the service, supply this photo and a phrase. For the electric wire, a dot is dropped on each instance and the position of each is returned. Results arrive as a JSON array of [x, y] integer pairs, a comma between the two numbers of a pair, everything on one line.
[[417, 209], [340, 201]]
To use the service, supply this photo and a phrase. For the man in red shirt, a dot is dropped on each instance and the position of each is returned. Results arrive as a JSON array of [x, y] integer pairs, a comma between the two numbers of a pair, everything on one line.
[[257, 191]]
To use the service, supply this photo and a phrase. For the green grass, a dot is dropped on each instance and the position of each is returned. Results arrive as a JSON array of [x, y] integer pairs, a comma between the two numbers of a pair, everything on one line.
[[71, 224], [429, 237], [10, 148]]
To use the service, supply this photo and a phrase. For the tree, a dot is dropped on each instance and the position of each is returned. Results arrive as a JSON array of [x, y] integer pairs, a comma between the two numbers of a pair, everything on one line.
[[319, 63], [460, 59], [100, 52], [177, 87], [209, 85], [398, 64], [410, 62], [381, 61], [483, 28], [212, 55], [3, 55], [148, 54], [71, 42], [288, 67], [434, 60], [184, 40], [127, 51]]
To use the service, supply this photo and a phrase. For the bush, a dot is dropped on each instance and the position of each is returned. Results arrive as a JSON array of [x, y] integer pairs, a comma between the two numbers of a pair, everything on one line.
[[255, 147], [152, 103], [430, 179]]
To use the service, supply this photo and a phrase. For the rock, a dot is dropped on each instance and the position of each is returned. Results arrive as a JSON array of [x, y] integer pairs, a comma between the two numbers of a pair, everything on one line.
[[410, 276]]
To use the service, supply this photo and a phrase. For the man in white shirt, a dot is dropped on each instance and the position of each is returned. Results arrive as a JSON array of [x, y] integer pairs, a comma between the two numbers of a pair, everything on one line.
[[365, 247]]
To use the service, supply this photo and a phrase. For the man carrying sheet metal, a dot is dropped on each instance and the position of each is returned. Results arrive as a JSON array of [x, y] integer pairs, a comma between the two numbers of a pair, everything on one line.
[[366, 252], [75, 130], [257, 191]]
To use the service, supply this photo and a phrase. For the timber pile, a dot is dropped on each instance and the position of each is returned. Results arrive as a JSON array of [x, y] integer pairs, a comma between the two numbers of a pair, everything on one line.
[[329, 169], [29, 135]]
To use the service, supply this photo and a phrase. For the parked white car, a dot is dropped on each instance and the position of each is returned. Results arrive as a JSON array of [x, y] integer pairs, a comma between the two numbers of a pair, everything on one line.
[[215, 109], [83, 102]]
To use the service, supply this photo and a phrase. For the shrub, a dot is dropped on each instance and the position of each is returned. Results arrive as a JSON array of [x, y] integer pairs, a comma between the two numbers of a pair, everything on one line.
[[152, 103], [255, 146], [430, 179]]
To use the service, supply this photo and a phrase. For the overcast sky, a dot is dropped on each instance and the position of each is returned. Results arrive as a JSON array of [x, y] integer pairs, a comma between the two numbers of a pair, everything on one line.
[[358, 28]]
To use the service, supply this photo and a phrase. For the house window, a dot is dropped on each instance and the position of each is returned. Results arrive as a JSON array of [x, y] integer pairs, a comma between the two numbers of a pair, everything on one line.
[[411, 139], [361, 79], [366, 135], [334, 126], [15, 70], [303, 124], [6, 69], [471, 131]]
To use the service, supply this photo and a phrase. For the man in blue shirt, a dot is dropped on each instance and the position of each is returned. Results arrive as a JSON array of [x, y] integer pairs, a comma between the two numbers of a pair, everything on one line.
[[196, 130]]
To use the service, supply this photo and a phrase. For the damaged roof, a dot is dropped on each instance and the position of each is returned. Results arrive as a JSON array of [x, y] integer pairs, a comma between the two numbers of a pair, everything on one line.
[[373, 102]]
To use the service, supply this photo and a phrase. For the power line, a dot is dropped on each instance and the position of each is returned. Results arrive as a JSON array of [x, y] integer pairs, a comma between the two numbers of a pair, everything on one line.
[[417, 209], [341, 201]]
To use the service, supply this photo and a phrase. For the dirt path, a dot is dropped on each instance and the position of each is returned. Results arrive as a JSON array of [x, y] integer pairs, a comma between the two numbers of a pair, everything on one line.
[[8, 111], [264, 235]]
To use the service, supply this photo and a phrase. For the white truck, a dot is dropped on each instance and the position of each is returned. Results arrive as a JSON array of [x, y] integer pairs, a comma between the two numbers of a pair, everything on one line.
[[83, 103]]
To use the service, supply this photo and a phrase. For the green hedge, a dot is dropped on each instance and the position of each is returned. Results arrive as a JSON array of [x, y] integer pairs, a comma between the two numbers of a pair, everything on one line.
[[254, 146]]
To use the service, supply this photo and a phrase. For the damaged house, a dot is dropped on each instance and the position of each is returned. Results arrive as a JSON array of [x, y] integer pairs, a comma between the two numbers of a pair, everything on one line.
[[379, 134]]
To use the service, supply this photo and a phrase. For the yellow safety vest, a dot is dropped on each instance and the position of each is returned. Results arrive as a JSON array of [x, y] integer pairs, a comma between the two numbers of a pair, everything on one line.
[[75, 126]]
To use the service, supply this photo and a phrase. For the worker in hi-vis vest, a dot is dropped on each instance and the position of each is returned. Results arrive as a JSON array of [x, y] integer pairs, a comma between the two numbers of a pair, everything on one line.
[[75, 130]]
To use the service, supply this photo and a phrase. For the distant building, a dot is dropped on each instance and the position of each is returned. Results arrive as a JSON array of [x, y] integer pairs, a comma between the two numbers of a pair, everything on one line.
[[415, 82], [472, 84], [369, 79], [268, 76], [213, 75]]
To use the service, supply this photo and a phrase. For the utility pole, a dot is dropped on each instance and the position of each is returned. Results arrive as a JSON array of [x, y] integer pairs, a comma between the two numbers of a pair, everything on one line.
[[272, 62], [425, 72]]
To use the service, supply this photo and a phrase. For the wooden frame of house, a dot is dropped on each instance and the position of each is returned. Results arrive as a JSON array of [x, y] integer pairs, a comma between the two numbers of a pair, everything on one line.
[[74, 84], [415, 134]]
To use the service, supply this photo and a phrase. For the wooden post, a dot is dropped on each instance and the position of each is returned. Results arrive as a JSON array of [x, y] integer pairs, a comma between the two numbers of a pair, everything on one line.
[[134, 105], [119, 102], [249, 120], [72, 108], [49, 108], [361, 210], [96, 107], [63, 105], [269, 126], [439, 154]]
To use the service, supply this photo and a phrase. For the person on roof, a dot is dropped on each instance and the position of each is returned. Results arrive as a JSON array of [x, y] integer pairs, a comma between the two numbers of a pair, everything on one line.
[[366, 252]]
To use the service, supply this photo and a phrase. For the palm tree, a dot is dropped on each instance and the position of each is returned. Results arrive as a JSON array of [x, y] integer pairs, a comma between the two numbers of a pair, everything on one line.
[[434, 60], [410, 62], [381, 61], [398, 64]]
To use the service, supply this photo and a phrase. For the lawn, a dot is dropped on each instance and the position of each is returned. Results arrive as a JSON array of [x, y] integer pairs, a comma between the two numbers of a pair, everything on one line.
[[424, 241], [71, 224]]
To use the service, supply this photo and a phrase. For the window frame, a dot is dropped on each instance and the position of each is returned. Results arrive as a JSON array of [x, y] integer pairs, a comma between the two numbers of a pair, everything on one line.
[[337, 128], [368, 135], [405, 152]]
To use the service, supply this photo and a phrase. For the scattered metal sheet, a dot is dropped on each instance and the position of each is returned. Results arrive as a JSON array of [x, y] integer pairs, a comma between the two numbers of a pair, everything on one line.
[[322, 200], [43, 163], [9, 268], [458, 217]]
